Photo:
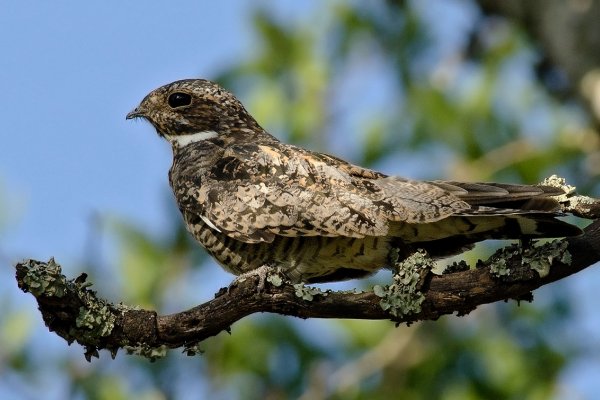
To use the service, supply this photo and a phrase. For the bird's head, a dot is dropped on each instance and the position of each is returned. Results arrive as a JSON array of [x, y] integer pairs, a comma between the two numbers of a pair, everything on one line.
[[192, 110]]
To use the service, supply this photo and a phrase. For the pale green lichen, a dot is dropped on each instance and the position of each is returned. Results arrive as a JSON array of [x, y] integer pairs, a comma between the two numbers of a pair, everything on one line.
[[350, 291], [192, 349], [583, 206], [97, 318], [571, 202], [275, 279], [558, 182], [583, 202], [456, 266], [499, 268], [44, 279], [498, 261], [307, 293], [403, 296], [152, 353], [538, 258]]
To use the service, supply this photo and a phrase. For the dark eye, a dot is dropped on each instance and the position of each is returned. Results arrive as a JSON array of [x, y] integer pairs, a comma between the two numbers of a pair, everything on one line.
[[179, 99]]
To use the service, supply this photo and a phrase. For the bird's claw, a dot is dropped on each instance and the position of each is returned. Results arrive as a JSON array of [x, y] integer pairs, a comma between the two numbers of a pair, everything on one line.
[[262, 273]]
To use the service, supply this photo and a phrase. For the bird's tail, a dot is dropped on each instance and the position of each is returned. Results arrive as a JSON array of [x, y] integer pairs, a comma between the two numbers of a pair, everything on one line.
[[455, 234], [487, 223], [504, 195]]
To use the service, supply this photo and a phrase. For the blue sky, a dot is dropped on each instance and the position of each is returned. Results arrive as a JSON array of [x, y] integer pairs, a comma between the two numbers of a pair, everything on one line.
[[69, 73]]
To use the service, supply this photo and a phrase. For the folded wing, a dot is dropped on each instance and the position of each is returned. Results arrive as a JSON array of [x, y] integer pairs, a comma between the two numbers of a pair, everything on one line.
[[256, 192]]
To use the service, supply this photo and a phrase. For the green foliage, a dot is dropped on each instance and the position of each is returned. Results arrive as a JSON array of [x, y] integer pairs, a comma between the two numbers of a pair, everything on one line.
[[143, 261]]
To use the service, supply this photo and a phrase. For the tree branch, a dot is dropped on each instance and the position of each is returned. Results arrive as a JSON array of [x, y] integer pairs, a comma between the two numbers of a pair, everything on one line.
[[75, 313]]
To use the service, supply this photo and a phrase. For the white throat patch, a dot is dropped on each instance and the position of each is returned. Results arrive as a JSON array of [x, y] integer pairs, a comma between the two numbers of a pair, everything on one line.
[[184, 140]]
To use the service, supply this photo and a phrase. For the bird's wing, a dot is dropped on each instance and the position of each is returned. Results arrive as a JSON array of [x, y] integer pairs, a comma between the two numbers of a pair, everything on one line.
[[255, 192]]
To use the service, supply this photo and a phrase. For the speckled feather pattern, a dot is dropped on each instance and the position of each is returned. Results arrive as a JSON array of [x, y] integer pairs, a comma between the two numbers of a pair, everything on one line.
[[252, 200]]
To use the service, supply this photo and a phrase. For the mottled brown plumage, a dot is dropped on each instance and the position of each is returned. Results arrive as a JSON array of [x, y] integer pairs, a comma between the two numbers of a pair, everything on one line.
[[253, 201]]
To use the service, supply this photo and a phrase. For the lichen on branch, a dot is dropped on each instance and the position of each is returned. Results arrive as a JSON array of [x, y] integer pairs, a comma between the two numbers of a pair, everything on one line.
[[73, 311]]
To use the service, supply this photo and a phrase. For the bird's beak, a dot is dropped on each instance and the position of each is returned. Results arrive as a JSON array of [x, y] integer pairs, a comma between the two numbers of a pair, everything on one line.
[[135, 113]]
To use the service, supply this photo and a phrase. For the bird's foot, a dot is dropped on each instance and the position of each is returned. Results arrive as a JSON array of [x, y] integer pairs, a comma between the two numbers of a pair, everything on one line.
[[263, 273]]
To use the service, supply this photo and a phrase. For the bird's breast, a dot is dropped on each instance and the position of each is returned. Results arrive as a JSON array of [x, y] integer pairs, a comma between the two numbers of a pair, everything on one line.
[[302, 259]]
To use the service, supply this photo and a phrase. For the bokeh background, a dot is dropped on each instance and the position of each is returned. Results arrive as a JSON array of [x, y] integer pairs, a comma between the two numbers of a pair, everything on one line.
[[457, 89]]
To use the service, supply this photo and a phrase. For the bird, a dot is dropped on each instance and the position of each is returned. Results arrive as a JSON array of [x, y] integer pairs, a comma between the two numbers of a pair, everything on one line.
[[255, 202]]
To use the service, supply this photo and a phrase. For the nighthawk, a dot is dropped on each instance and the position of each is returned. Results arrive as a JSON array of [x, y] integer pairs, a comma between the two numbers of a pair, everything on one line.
[[253, 201]]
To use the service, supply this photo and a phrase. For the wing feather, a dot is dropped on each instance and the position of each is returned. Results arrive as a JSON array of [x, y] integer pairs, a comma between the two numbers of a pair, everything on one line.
[[256, 192]]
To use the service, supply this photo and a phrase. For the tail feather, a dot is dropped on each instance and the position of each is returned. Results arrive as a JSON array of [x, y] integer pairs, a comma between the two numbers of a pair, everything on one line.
[[503, 195], [526, 225], [498, 211]]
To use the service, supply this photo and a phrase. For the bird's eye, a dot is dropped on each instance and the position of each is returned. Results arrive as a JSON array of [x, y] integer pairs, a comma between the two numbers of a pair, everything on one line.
[[179, 99]]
